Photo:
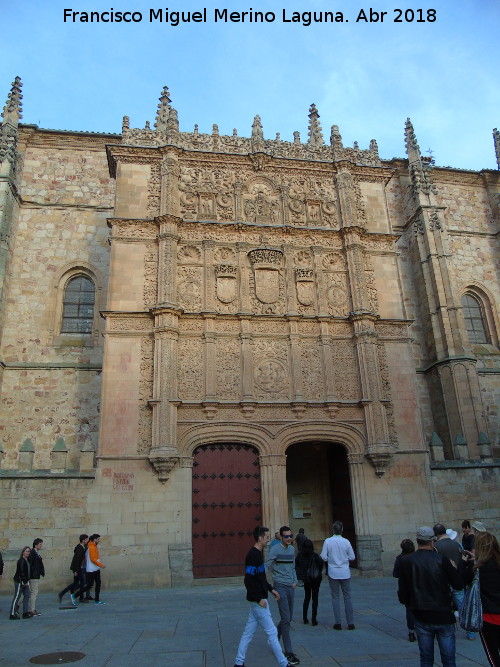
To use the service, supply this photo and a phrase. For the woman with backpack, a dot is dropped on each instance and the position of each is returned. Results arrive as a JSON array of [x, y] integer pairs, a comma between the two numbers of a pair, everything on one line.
[[309, 568]]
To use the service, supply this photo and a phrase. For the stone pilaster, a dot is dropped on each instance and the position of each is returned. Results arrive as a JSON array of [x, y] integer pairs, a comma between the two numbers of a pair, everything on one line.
[[209, 296], [209, 349], [246, 360], [167, 261], [170, 194], [296, 361], [163, 454], [274, 490]]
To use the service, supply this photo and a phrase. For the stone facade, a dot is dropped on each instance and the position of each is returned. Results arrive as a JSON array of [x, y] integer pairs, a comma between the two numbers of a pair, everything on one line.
[[295, 297]]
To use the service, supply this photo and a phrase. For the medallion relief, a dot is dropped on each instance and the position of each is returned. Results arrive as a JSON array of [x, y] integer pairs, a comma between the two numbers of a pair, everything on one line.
[[270, 369]]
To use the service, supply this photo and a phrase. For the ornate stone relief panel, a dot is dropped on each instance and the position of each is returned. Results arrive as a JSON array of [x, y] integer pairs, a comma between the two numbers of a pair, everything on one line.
[[145, 393], [150, 275], [261, 203], [271, 369], [190, 278], [190, 368], [228, 368], [312, 370], [345, 370]]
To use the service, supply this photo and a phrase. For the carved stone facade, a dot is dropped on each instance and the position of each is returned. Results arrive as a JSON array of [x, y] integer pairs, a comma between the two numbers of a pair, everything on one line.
[[293, 297]]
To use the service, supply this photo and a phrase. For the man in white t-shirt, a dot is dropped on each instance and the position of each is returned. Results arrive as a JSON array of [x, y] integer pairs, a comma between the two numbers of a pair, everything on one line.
[[337, 552]]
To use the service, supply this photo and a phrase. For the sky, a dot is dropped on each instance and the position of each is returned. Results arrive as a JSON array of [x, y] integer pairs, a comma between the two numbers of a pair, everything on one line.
[[365, 77]]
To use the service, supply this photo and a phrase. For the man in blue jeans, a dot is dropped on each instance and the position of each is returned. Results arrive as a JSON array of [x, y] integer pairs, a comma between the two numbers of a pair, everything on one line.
[[257, 592], [424, 587], [282, 564]]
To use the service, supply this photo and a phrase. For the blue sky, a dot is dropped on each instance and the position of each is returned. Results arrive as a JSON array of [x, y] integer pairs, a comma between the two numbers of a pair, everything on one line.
[[365, 77]]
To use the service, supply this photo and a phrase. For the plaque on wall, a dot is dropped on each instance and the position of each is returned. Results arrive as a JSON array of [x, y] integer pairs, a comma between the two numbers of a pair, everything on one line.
[[301, 506]]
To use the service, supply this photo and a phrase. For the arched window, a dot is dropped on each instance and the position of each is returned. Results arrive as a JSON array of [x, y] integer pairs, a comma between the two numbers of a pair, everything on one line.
[[78, 306], [475, 319]]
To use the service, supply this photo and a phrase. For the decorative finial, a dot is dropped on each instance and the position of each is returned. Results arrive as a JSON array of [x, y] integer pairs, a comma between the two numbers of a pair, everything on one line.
[[257, 132], [173, 122], [315, 134], [356, 146], [496, 140], [12, 111], [336, 137], [412, 147], [420, 169], [296, 137], [215, 129], [163, 113], [235, 132], [125, 124], [374, 147]]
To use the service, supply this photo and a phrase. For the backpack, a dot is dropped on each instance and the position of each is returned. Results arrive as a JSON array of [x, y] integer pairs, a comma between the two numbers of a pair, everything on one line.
[[314, 572]]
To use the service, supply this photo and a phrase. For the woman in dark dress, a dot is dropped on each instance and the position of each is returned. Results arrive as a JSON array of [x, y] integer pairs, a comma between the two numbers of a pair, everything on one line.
[[407, 547], [487, 554], [21, 586], [303, 562]]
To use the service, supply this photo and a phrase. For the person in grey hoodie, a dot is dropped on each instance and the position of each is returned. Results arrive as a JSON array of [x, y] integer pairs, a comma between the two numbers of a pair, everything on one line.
[[281, 562]]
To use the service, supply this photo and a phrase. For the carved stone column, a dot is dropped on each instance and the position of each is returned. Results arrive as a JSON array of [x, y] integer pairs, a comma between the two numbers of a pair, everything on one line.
[[359, 503], [167, 261], [170, 194], [274, 490], [246, 361], [327, 362], [163, 454], [244, 283], [209, 297], [238, 201], [379, 451], [296, 361], [321, 307], [209, 341], [290, 285]]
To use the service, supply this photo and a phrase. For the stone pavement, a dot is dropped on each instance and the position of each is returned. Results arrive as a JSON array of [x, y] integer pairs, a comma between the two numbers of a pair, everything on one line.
[[200, 626]]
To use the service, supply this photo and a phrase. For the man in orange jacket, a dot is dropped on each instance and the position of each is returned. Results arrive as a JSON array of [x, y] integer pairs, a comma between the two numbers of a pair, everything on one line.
[[94, 566]]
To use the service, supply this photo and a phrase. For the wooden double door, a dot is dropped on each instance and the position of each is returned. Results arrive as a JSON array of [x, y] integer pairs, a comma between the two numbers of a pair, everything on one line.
[[226, 507]]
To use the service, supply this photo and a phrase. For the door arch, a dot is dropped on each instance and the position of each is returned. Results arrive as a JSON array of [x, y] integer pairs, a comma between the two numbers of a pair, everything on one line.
[[319, 490], [226, 501]]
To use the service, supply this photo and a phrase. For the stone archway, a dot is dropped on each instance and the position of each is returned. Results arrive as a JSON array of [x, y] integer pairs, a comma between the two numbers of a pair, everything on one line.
[[319, 490]]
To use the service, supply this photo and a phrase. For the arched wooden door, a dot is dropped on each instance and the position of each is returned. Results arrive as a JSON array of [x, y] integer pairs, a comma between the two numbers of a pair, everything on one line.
[[226, 508]]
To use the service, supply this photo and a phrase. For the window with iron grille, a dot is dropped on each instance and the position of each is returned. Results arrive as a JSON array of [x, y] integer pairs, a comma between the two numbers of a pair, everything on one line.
[[475, 320], [78, 306]]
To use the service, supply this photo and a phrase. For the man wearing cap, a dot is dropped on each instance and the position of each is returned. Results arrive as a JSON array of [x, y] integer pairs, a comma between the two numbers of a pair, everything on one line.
[[478, 527], [424, 587], [446, 546]]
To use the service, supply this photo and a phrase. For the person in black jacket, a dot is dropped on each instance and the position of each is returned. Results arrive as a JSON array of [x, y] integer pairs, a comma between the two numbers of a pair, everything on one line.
[[21, 586], [258, 589], [488, 563], [303, 567], [407, 547], [425, 578], [78, 568], [37, 570]]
